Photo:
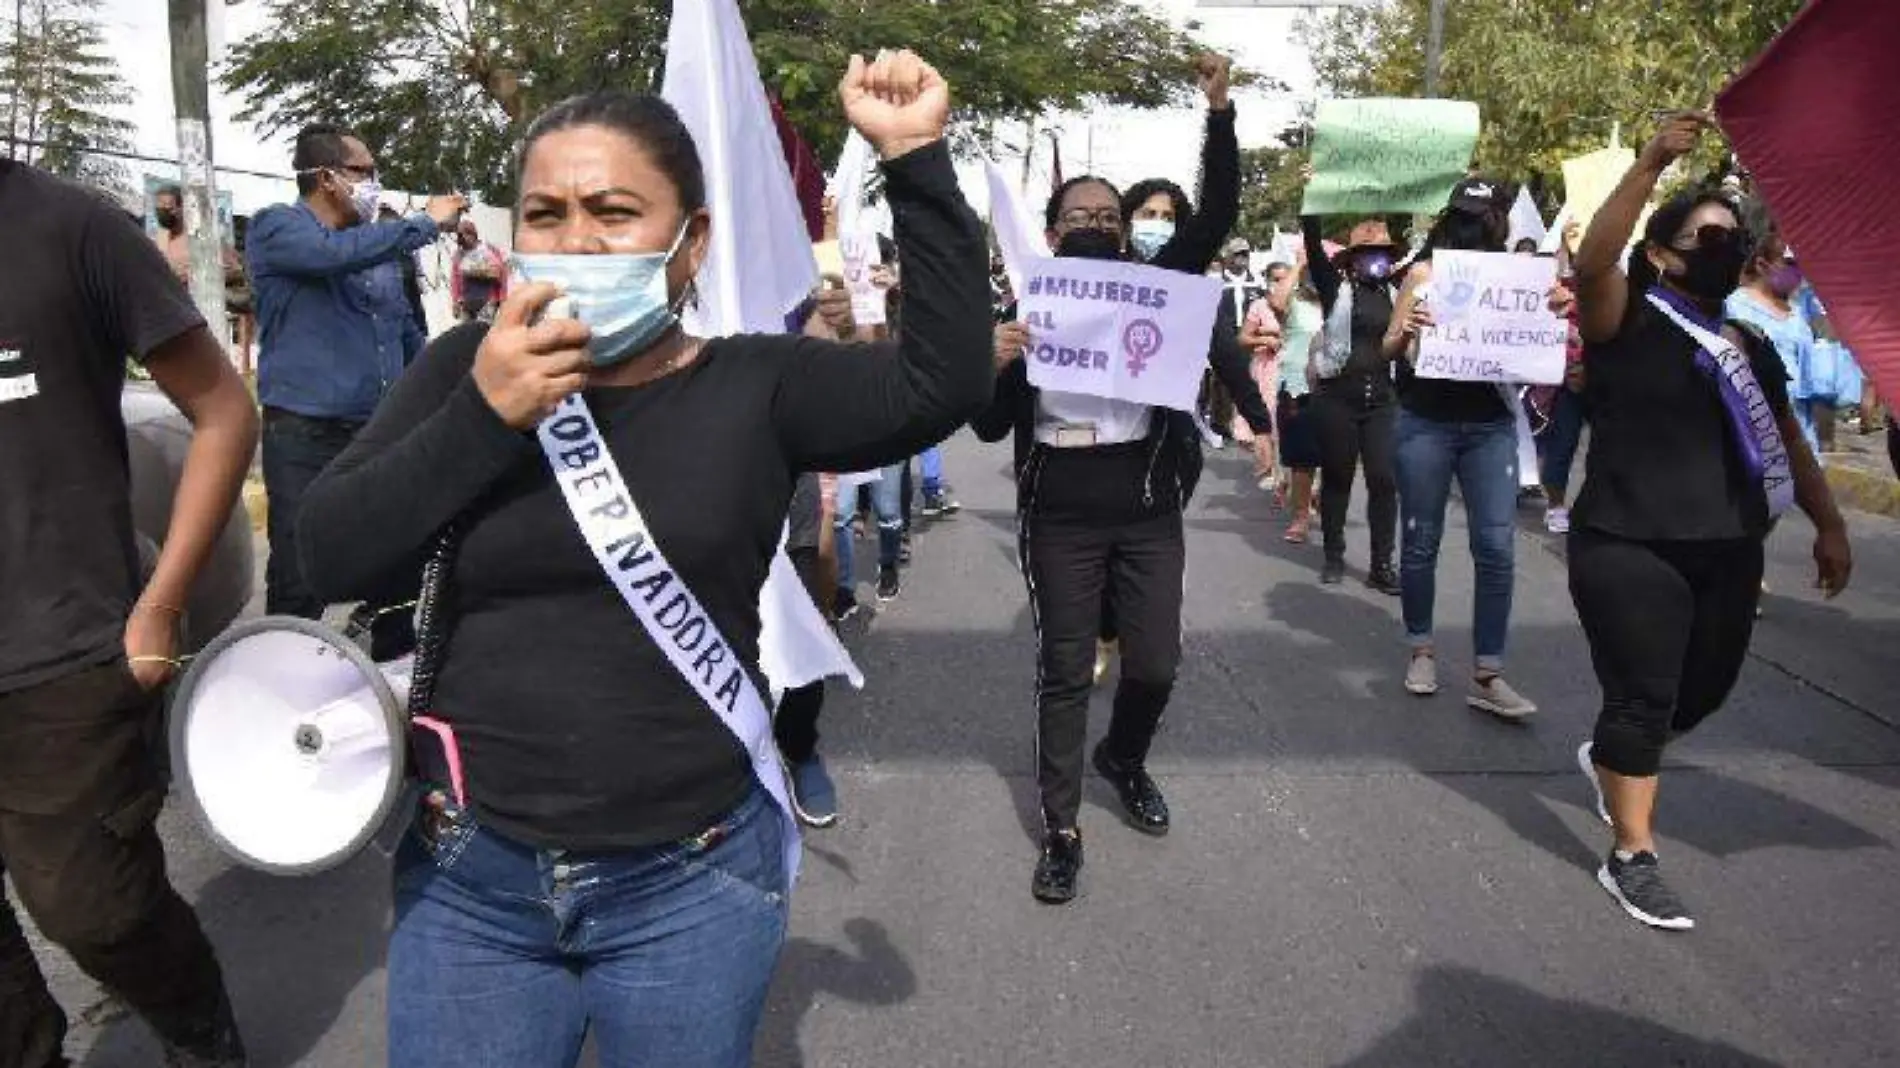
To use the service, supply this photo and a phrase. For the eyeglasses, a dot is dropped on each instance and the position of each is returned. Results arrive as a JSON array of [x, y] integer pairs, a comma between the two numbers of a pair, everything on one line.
[[365, 173], [1100, 219], [1710, 236]]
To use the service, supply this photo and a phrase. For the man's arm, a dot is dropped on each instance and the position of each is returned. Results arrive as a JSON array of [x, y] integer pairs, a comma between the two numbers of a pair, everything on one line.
[[288, 241], [194, 373]]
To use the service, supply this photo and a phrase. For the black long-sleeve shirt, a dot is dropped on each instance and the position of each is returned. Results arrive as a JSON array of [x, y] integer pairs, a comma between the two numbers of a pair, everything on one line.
[[575, 730], [1367, 376], [1193, 246]]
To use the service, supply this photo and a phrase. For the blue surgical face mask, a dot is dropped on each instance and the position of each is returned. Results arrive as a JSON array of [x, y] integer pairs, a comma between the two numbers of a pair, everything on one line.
[[1148, 236], [620, 296]]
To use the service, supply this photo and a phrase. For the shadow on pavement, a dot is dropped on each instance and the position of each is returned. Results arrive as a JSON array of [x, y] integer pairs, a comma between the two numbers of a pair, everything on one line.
[[1464, 1017], [873, 973], [293, 949]]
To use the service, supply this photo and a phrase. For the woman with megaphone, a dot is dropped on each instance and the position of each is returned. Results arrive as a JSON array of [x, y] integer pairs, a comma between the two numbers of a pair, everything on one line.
[[619, 853]]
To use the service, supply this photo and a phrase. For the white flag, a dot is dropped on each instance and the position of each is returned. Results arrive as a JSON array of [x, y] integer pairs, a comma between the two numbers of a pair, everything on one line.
[[760, 265], [1018, 238], [1526, 221], [760, 268]]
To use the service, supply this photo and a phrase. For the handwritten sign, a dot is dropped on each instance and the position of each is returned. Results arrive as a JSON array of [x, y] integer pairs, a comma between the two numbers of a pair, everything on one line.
[[1386, 155], [1119, 330], [1492, 320]]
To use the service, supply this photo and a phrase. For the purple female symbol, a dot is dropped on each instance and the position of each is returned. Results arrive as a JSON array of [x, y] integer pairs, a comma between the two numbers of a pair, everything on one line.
[[1141, 339]]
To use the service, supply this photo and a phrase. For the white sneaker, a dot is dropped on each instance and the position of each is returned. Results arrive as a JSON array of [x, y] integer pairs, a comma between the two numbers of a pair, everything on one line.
[[1421, 675], [1495, 696], [1589, 769], [1557, 520]]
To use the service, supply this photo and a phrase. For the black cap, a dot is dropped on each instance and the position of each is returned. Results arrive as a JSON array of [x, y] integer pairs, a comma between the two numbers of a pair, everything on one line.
[[1478, 195]]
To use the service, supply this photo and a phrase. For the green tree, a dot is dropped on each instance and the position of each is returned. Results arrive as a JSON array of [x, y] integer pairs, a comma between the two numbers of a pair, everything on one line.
[[443, 88], [62, 90], [1552, 78], [1270, 191]]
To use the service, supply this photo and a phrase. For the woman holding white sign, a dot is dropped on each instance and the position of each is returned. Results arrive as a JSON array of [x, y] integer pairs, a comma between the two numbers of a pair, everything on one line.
[[1464, 431], [1695, 452], [1101, 485], [617, 853]]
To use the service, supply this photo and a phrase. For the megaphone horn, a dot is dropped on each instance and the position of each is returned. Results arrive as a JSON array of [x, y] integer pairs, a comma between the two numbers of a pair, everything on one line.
[[290, 743]]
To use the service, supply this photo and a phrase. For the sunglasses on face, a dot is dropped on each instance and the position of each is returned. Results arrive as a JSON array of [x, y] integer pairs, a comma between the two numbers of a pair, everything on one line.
[[1710, 236]]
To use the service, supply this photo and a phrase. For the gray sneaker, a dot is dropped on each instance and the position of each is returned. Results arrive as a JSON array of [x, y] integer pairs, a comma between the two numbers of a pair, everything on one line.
[[1495, 696], [1421, 675]]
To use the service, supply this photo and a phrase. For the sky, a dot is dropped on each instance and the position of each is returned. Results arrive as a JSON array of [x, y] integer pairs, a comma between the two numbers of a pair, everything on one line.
[[1126, 145]]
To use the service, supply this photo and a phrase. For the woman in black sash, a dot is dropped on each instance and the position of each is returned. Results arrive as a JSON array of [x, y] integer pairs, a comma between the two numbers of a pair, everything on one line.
[[1694, 452]]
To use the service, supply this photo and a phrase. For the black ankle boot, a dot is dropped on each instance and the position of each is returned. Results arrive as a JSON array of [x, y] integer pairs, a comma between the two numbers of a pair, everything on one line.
[[1057, 869], [1147, 809]]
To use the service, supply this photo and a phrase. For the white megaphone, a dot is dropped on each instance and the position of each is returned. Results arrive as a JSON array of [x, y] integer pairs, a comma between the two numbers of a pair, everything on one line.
[[291, 743]]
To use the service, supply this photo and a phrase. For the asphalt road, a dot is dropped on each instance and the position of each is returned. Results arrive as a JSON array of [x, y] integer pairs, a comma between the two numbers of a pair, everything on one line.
[[1356, 877]]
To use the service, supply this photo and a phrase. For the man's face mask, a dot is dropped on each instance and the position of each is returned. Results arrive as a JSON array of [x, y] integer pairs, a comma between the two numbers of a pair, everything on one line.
[[365, 195], [620, 296], [1090, 243], [1149, 236], [167, 218]]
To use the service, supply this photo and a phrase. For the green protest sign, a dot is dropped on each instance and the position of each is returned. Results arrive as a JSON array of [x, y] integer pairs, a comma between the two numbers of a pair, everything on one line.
[[1388, 156]]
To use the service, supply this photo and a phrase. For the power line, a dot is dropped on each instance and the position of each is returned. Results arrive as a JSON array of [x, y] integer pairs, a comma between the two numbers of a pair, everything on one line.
[[29, 143]]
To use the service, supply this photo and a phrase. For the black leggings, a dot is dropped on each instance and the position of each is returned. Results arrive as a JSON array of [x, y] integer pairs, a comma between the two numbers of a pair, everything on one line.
[[1350, 433], [1668, 625]]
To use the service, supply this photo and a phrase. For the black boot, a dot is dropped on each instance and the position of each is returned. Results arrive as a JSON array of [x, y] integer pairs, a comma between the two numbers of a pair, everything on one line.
[[1333, 572], [1147, 809], [1383, 578], [1057, 869]]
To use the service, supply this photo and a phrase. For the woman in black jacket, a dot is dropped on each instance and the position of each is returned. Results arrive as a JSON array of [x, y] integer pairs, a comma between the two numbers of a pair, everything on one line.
[[1101, 485]]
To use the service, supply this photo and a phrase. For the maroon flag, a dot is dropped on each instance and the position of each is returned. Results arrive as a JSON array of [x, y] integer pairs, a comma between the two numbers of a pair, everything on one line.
[[808, 178], [1806, 118]]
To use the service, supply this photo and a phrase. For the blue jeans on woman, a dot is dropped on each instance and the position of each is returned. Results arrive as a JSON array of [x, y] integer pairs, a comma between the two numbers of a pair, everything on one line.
[[504, 955], [1557, 445], [1482, 457], [887, 501]]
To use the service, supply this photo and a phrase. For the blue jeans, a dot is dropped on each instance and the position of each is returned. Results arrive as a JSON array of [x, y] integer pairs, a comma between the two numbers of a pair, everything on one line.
[[1483, 458], [1557, 445], [931, 461], [503, 955], [887, 500]]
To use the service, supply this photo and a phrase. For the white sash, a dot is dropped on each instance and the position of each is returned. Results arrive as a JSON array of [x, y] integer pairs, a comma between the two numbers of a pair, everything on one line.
[[1777, 469], [611, 523]]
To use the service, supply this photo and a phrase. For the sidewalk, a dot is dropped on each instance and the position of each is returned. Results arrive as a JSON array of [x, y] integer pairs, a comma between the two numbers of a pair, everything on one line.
[[1861, 473]]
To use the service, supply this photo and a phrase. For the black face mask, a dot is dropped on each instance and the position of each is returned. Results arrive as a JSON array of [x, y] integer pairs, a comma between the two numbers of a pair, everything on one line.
[[1713, 269], [1091, 243], [167, 218]]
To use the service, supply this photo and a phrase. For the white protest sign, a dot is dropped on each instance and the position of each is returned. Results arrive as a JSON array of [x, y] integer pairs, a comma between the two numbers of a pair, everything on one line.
[[1125, 331], [1492, 320], [1527, 223]]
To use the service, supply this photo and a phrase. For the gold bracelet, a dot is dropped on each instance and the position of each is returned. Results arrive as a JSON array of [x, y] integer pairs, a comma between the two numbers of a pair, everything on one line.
[[173, 609], [172, 661]]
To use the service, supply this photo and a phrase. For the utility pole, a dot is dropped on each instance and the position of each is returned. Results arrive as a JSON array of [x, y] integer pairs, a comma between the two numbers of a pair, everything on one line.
[[191, 101], [1434, 47]]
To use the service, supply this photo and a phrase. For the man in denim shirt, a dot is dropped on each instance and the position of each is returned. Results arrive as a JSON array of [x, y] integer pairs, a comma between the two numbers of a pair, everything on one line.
[[335, 332]]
